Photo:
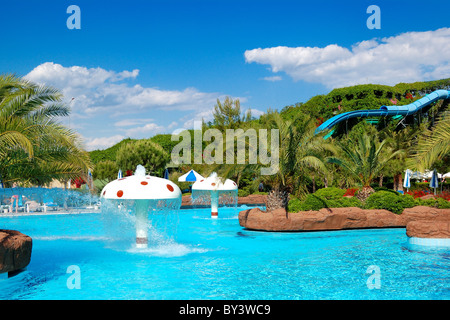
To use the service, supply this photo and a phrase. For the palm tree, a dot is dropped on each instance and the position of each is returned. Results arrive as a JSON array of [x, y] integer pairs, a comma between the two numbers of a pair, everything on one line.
[[34, 147], [433, 145], [401, 141], [363, 160], [300, 153]]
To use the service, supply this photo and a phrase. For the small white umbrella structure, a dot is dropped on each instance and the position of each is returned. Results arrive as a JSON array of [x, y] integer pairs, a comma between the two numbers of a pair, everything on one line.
[[407, 180], [417, 175], [213, 188], [190, 176], [429, 174], [145, 192], [434, 181]]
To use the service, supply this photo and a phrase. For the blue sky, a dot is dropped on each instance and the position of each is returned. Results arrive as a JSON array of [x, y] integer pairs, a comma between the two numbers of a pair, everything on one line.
[[138, 68]]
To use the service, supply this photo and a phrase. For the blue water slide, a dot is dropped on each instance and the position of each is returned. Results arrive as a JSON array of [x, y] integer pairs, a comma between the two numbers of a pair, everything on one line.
[[386, 110]]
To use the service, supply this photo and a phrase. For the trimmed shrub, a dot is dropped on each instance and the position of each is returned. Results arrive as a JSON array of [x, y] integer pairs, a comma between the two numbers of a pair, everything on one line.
[[350, 202], [295, 205], [331, 193], [439, 203], [390, 201], [243, 192], [314, 202]]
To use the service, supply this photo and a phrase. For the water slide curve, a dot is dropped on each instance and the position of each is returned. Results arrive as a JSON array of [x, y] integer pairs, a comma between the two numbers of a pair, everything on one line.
[[386, 110]]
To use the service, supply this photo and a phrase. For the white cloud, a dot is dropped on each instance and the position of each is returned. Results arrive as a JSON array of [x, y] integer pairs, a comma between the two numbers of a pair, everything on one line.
[[102, 143], [132, 122], [113, 103], [272, 79], [256, 113], [98, 91], [146, 130], [408, 57]]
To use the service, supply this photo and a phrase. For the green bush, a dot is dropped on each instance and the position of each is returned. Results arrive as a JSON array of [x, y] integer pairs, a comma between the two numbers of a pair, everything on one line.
[[313, 202], [243, 192], [261, 193], [348, 202], [295, 205], [389, 201], [331, 193], [436, 203]]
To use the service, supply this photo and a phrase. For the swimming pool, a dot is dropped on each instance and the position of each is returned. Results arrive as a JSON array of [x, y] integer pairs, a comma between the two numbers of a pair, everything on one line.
[[218, 259]]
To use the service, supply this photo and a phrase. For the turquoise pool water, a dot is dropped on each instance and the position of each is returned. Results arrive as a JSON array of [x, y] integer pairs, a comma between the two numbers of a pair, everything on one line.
[[218, 259]]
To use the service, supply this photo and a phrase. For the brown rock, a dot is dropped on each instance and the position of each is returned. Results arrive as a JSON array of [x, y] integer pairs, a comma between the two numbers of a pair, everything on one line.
[[428, 229], [324, 219], [253, 199], [425, 213], [15, 250], [337, 218], [428, 196], [262, 220], [186, 201]]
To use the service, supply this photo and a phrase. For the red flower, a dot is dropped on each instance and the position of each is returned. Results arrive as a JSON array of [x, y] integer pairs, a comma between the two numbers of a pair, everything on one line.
[[350, 192], [319, 121], [78, 182], [444, 195]]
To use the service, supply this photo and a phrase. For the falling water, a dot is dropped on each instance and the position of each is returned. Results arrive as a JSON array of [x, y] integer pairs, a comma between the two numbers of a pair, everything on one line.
[[201, 197]]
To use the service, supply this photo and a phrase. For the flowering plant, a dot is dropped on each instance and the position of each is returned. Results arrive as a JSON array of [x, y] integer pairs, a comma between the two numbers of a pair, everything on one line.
[[350, 192]]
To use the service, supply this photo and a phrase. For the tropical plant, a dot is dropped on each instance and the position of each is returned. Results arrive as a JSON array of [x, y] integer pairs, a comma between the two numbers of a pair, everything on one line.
[[300, 153], [35, 147], [402, 141], [433, 145], [364, 160]]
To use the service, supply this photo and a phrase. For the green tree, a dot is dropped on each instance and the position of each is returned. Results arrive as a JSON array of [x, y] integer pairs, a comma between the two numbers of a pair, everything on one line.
[[301, 152], [144, 152], [402, 142], [105, 170], [363, 160], [34, 147], [227, 114], [433, 145]]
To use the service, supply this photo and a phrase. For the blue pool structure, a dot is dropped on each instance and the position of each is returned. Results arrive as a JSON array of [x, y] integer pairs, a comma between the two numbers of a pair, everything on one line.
[[384, 111], [212, 259]]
